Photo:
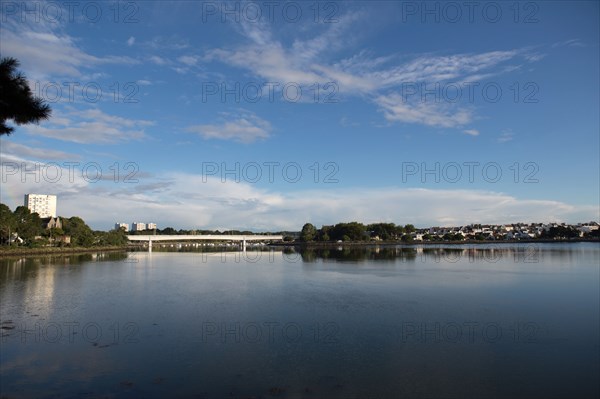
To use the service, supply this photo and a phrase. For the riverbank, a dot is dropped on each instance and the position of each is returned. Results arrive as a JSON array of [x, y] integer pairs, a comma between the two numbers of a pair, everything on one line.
[[23, 251]]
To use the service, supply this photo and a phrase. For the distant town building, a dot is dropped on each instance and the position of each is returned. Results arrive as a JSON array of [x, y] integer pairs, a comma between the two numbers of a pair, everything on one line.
[[122, 225], [151, 226], [52, 223], [42, 204], [137, 226]]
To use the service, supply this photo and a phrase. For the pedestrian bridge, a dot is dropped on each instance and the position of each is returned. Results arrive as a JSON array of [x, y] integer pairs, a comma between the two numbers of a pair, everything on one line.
[[206, 237]]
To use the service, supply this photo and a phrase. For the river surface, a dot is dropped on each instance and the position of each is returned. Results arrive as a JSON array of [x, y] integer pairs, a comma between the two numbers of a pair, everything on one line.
[[481, 321]]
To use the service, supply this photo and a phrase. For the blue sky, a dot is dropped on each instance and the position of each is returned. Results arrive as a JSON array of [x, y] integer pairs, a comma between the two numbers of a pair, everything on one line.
[[267, 115]]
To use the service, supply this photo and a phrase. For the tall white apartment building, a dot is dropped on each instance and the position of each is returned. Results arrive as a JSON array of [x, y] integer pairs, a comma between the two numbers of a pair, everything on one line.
[[151, 226], [42, 204], [124, 225], [137, 226]]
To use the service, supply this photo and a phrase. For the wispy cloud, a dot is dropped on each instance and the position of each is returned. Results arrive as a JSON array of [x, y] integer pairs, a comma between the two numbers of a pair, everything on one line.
[[15, 151], [44, 51], [396, 109], [506, 136], [471, 132], [90, 126], [377, 79], [188, 60], [243, 128], [569, 43], [155, 59]]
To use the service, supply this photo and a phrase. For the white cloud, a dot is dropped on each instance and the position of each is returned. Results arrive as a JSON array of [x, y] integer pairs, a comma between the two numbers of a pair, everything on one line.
[[44, 52], [307, 62], [131, 41], [192, 201], [244, 128], [15, 151], [90, 126], [158, 60], [471, 132], [396, 109], [506, 136], [188, 60], [569, 43]]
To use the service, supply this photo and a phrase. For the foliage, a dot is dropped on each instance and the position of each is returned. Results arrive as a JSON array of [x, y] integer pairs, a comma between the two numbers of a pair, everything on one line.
[[308, 233], [16, 100], [112, 237], [560, 232], [81, 234], [29, 225], [8, 223], [385, 231]]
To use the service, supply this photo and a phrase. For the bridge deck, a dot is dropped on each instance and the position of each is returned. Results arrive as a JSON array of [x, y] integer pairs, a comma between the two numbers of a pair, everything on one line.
[[204, 237]]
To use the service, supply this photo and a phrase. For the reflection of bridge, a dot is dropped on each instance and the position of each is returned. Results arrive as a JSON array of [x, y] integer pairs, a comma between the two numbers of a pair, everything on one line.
[[207, 237]]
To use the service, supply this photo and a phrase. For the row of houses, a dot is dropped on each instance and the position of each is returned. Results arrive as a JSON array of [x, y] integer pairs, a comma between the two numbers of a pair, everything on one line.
[[136, 226], [515, 231]]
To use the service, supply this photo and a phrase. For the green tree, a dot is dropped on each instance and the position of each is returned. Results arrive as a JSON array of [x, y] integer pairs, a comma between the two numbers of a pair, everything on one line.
[[385, 231], [169, 231], [407, 238], [8, 223], [115, 237], [354, 231], [17, 103], [560, 232], [81, 234], [29, 225], [308, 233]]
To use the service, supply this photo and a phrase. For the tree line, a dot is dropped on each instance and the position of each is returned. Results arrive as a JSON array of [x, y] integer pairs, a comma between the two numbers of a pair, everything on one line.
[[355, 231], [29, 227]]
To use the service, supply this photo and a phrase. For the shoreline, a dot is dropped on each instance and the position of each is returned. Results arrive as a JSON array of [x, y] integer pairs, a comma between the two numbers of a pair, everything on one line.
[[21, 251], [12, 252]]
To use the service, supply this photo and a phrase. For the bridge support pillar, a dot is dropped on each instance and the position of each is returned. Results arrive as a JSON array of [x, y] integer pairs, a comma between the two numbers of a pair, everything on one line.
[[244, 245], [149, 245]]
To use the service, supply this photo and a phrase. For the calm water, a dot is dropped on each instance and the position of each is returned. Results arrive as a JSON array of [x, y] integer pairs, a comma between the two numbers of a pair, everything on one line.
[[468, 321]]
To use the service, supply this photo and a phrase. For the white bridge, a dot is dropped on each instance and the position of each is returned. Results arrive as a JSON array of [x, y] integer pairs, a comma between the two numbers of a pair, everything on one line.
[[206, 237]]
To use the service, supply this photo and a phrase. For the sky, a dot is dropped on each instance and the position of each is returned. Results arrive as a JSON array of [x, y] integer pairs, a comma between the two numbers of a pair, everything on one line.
[[268, 115]]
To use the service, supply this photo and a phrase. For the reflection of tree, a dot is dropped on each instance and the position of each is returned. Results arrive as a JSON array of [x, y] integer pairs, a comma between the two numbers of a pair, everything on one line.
[[358, 254], [21, 269]]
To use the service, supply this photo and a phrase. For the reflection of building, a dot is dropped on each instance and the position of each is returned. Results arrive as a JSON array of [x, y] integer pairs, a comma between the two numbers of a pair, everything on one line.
[[42, 204], [122, 225], [137, 226], [151, 226]]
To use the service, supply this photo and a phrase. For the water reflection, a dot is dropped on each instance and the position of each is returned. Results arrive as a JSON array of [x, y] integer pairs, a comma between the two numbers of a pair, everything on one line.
[[492, 253], [389, 321]]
